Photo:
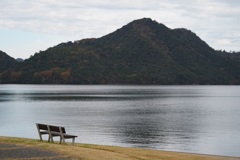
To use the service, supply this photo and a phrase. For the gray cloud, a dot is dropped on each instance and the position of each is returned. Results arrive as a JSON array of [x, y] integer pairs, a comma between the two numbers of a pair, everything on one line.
[[215, 21]]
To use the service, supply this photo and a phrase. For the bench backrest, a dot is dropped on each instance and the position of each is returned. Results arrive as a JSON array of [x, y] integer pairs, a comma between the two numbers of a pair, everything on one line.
[[42, 126], [63, 130], [50, 128], [54, 129], [57, 129]]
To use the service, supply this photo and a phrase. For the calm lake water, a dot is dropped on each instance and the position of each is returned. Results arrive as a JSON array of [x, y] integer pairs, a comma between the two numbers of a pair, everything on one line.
[[197, 119]]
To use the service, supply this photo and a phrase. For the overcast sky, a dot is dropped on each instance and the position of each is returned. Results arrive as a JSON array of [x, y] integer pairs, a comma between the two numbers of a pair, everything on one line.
[[28, 26]]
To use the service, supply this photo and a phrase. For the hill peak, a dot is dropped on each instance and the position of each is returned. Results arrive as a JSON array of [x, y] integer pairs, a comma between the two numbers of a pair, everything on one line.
[[145, 27], [146, 22]]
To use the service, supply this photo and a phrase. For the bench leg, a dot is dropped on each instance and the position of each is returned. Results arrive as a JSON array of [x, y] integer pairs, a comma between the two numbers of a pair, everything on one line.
[[51, 137], [40, 136], [39, 133], [60, 140], [73, 140]]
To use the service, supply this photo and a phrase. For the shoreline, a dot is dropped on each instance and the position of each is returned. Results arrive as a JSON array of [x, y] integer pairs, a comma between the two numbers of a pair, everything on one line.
[[101, 152]]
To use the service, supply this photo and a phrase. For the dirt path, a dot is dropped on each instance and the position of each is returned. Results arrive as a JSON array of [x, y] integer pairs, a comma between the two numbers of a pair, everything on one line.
[[16, 152]]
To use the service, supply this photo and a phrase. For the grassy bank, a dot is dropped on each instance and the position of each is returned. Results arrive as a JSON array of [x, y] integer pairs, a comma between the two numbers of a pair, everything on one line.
[[97, 152]]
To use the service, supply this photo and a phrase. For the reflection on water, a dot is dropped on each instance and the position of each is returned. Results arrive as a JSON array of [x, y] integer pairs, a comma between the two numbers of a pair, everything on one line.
[[199, 119]]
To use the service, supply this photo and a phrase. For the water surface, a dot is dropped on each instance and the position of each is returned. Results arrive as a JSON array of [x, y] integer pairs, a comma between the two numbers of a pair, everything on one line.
[[197, 119]]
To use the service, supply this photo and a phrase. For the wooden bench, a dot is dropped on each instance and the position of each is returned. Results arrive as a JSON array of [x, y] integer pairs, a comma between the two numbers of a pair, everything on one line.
[[54, 131]]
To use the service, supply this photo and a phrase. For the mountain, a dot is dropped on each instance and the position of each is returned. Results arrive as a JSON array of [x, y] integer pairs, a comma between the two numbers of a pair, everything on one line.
[[6, 61], [141, 52], [19, 60]]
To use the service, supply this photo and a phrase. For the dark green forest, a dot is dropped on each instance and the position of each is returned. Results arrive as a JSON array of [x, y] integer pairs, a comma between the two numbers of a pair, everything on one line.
[[141, 52]]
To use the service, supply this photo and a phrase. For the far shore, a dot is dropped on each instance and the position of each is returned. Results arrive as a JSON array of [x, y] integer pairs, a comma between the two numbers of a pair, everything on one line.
[[100, 152]]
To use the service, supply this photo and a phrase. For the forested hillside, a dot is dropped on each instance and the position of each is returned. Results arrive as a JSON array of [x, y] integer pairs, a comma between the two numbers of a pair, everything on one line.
[[141, 52], [6, 61]]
